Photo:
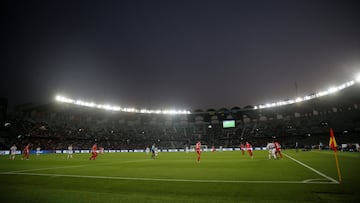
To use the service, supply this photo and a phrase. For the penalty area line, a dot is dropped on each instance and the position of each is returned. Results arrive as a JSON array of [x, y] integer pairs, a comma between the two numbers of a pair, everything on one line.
[[168, 180]]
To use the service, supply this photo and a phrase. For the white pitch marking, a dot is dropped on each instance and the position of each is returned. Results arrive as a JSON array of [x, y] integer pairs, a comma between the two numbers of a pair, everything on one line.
[[311, 180], [316, 171], [166, 179]]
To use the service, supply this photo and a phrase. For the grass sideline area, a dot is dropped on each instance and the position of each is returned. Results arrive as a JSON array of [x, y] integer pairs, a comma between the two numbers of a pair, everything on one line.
[[176, 177]]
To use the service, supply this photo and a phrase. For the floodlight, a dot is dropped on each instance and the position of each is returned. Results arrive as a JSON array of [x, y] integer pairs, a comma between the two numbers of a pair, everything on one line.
[[333, 89], [357, 78], [312, 96], [299, 99], [79, 102]]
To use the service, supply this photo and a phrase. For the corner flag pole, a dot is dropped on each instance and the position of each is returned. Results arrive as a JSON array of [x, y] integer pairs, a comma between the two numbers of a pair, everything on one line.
[[333, 146], [338, 167]]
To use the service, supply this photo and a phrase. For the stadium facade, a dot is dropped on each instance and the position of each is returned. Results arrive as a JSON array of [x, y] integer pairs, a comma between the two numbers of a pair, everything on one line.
[[54, 125]]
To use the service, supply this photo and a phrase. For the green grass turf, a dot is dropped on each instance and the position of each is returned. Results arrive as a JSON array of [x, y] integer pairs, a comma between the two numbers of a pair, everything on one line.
[[134, 177]]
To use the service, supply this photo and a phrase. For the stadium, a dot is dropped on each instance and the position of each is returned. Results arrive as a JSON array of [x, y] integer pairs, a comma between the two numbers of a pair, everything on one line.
[[124, 171], [200, 101]]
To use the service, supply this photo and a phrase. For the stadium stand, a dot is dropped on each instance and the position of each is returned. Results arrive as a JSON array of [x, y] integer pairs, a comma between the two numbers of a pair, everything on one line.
[[55, 125]]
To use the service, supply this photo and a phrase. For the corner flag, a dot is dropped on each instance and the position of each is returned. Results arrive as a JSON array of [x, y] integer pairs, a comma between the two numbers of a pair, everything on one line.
[[332, 142], [333, 146]]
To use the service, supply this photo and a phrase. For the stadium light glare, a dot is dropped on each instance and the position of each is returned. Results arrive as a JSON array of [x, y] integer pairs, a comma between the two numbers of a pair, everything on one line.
[[108, 107], [299, 99], [331, 90], [291, 101], [63, 99], [357, 78], [307, 98]]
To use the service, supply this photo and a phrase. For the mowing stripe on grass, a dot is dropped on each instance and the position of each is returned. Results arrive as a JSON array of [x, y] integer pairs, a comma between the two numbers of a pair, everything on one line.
[[76, 166], [310, 181], [44, 169], [316, 171]]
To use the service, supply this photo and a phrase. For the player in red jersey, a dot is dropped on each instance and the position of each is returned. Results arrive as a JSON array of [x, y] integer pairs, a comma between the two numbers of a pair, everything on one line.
[[242, 148], [93, 152], [249, 149], [198, 150], [278, 150], [26, 152]]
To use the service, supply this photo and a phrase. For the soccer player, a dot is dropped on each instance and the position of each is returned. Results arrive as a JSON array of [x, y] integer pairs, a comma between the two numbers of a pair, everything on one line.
[[101, 150], [198, 150], [249, 149], [320, 146], [153, 150], [70, 152], [38, 151], [242, 148], [93, 152], [26, 152], [271, 147], [278, 150], [156, 151], [13, 152]]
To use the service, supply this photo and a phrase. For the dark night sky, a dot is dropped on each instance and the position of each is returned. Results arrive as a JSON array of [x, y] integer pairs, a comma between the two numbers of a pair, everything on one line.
[[176, 54]]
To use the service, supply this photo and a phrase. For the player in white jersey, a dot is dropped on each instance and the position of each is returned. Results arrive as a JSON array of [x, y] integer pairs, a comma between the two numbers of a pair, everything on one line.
[[156, 151], [38, 151], [271, 147], [70, 151], [13, 152]]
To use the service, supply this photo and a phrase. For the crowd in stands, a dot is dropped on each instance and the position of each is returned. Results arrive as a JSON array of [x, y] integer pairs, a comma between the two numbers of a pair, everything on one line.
[[55, 126], [53, 129]]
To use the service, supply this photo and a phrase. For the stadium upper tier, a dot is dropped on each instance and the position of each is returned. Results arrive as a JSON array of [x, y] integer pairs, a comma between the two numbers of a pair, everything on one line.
[[64, 123], [319, 94], [347, 98]]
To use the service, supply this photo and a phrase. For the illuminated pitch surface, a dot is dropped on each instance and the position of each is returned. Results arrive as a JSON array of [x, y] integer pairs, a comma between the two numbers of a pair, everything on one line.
[[176, 177]]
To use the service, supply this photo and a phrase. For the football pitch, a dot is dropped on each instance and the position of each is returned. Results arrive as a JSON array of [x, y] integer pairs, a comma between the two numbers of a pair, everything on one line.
[[176, 177]]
